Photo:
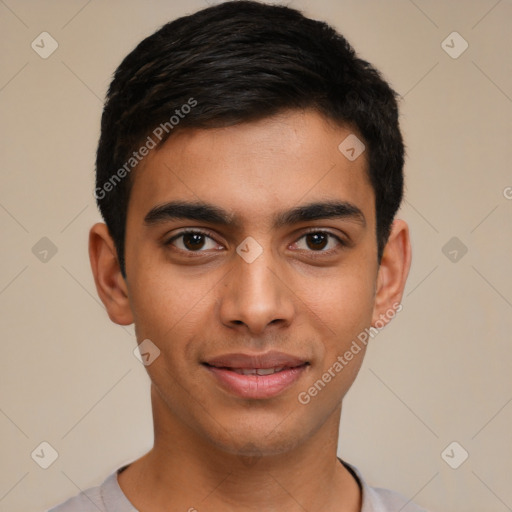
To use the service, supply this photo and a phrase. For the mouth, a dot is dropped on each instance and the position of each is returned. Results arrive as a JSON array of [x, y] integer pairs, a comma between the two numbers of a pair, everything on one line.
[[256, 371], [272, 360], [256, 376]]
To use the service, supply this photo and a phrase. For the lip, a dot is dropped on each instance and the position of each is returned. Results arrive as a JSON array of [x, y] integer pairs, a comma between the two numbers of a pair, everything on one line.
[[271, 359], [256, 386]]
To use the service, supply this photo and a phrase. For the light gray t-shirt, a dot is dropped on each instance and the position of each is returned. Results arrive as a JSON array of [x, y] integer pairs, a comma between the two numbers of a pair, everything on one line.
[[108, 497]]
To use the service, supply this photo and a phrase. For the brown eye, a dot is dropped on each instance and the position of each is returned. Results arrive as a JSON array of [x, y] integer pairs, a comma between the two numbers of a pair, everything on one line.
[[317, 241], [322, 242], [192, 241]]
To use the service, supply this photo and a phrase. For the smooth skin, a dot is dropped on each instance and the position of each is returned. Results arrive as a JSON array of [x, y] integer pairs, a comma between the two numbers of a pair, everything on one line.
[[314, 288]]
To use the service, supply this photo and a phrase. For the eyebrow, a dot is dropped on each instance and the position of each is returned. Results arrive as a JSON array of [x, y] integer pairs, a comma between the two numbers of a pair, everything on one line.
[[212, 214]]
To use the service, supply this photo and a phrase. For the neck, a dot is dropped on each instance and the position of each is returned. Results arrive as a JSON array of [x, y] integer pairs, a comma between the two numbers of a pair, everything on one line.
[[191, 473]]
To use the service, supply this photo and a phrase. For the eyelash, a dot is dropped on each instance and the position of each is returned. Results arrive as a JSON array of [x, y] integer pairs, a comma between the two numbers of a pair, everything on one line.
[[342, 243]]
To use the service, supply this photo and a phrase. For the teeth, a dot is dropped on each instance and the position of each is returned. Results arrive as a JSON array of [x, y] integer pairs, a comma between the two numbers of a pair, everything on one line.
[[257, 371]]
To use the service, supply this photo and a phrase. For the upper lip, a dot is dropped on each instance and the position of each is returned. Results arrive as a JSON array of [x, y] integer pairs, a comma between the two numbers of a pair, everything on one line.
[[272, 359]]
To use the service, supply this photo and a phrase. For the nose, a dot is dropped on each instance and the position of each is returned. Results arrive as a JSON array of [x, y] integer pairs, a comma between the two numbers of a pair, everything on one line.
[[255, 297]]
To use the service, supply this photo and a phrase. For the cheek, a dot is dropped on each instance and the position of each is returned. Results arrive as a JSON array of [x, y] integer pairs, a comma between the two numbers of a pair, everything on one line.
[[342, 312], [169, 308], [343, 304]]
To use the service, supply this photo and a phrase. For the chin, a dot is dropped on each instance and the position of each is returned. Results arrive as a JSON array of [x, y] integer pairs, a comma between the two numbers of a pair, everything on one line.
[[257, 442]]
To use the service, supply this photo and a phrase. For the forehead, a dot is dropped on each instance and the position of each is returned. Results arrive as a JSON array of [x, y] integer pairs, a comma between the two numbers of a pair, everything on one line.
[[254, 170]]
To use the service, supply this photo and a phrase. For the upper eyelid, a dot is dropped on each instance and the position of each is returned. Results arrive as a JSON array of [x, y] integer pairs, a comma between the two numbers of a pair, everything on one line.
[[340, 239], [187, 231], [320, 230], [170, 240]]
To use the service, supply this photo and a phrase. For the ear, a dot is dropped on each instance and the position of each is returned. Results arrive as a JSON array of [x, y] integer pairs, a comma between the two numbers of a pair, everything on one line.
[[110, 283], [393, 271]]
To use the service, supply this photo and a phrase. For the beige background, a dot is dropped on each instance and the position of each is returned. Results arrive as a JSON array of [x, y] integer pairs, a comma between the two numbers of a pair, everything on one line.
[[441, 372]]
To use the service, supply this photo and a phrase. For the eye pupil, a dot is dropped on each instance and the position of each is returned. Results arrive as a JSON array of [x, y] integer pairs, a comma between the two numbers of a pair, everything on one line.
[[317, 240], [193, 241]]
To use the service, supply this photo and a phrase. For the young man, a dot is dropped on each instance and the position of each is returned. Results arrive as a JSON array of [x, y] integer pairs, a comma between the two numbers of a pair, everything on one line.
[[249, 171]]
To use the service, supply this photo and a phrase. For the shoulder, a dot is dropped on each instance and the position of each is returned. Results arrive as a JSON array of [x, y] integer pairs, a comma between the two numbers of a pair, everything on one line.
[[385, 500], [87, 501], [376, 499], [106, 497]]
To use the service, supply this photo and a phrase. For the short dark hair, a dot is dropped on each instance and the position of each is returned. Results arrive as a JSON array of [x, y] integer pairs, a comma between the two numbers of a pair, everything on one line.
[[235, 62]]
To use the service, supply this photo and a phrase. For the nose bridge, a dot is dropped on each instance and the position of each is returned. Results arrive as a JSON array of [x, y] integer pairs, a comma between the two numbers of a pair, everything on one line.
[[256, 281], [254, 294]]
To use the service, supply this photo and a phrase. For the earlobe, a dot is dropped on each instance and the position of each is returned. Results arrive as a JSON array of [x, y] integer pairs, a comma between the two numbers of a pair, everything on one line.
[[392, 276], [110, 283]]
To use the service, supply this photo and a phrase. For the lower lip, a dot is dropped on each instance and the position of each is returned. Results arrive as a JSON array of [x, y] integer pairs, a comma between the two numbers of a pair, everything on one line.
[[256, 386]]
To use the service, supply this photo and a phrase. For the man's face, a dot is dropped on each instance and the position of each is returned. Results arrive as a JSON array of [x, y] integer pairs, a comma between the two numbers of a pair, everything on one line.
[[302, 285]]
